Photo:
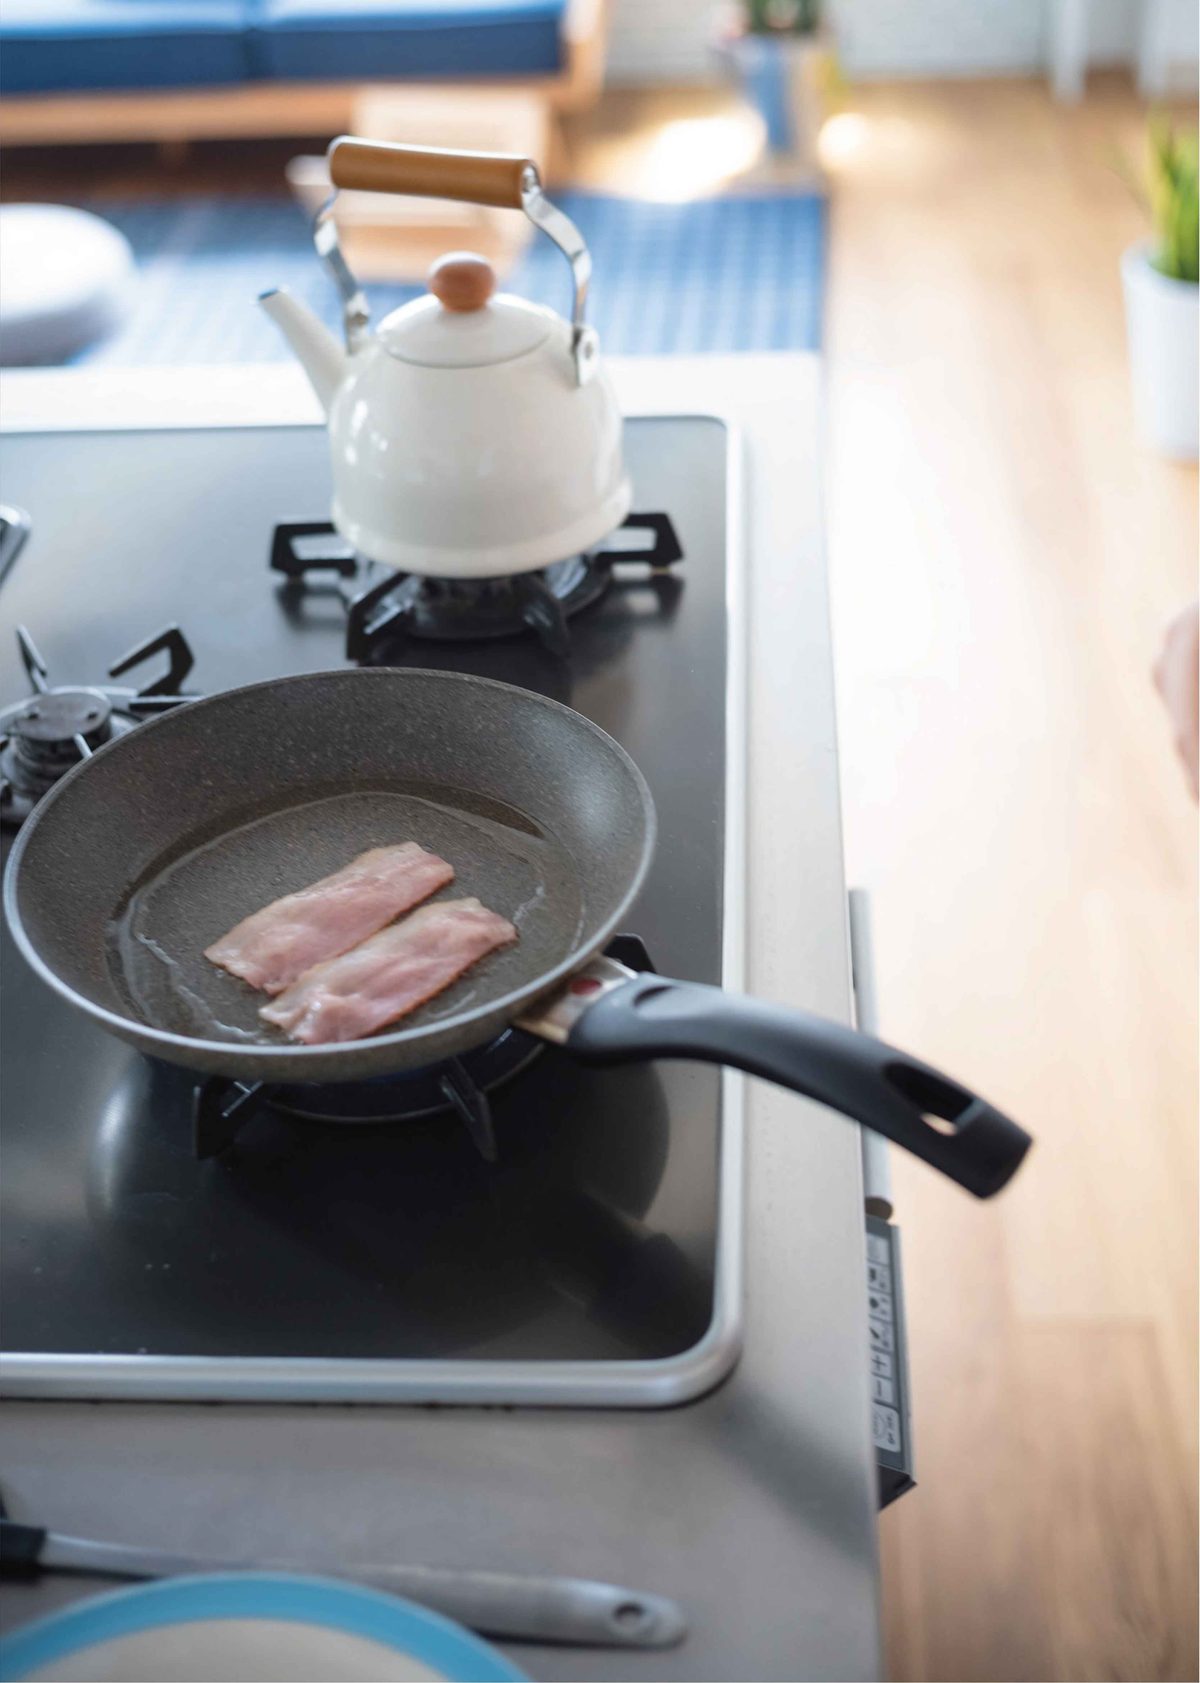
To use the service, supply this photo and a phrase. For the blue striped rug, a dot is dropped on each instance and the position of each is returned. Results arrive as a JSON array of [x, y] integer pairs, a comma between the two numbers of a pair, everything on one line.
[[739, 273]]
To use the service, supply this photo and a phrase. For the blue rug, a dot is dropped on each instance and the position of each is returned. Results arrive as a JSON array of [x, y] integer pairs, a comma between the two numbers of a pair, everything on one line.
[[741, 273]]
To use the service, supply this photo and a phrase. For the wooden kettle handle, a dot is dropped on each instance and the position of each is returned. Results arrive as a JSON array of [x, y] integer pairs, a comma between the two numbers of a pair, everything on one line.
[[377, 166]]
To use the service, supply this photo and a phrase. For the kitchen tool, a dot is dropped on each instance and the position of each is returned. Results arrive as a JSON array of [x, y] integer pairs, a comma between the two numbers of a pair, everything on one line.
[[513, 1604], [471, 435], [138, 859], [249, 1628]]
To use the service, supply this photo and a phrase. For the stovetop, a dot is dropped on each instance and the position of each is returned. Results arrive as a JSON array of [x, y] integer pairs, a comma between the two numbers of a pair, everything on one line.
[[372, 1260]]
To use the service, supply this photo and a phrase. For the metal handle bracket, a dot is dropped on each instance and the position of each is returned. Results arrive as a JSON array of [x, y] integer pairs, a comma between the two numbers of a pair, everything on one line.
[[554, 223], [557, 225]]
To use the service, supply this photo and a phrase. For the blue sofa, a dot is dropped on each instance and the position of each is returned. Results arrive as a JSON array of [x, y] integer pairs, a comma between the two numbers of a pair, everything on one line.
[[92, 46]]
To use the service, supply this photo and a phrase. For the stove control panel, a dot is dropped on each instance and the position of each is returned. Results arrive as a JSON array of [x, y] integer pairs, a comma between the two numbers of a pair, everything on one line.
[[889, 1367]]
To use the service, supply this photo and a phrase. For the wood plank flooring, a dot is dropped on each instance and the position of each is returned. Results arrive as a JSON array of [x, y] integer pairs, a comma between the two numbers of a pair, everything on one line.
[[1004, 557]]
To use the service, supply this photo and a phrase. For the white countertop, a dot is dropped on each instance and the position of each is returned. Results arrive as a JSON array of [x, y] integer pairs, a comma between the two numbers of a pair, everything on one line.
[[754, 1506]]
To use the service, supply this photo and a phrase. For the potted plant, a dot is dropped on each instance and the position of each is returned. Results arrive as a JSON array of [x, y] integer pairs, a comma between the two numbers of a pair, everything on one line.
[[781, 17], [772, 46], [1162, 299]]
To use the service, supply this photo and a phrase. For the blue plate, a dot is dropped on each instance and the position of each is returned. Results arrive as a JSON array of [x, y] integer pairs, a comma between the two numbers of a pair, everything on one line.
[[248, 1626]]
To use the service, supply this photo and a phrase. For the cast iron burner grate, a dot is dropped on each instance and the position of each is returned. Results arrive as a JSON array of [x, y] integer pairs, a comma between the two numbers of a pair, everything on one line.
[[43, 737], [383, 605], [221, 1107]]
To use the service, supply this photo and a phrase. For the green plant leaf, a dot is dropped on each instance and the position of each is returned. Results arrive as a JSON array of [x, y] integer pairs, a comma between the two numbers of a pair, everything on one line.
[[1174, 199]]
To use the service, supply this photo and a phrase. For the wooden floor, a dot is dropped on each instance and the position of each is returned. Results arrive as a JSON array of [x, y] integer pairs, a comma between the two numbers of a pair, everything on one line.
[[1004, 556]]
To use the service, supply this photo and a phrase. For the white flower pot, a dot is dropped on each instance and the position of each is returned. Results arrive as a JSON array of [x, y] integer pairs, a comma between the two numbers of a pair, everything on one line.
[[1163, 320]]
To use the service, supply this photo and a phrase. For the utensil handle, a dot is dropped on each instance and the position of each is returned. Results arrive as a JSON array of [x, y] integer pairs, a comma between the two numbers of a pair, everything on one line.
[[521, 1605], [945, 1124], [548, 1609], [426, 172]]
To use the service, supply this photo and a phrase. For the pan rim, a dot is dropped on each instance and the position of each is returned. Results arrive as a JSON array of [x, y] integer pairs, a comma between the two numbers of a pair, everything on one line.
[[508, 1005]]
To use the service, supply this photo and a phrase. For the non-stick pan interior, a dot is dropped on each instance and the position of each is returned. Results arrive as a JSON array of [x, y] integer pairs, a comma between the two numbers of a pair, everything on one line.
[[144, 857], [156, 944]]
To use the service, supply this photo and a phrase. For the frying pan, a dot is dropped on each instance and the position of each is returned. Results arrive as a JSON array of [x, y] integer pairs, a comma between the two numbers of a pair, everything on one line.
[[144, 854]]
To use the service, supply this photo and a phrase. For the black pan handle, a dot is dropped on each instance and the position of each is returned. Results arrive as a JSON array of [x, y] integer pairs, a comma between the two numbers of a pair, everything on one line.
[[886, 1090]]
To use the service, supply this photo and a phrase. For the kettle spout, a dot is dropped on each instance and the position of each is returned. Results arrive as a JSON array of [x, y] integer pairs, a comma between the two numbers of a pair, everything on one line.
[[322, 357]]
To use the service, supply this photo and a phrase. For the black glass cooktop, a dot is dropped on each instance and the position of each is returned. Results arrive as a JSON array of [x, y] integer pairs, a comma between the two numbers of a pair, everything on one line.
[[592, 1236]]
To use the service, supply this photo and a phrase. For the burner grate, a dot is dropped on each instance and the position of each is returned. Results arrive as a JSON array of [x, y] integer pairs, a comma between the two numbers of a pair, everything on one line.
[[384, 606], [222, 1108], [56, 727]]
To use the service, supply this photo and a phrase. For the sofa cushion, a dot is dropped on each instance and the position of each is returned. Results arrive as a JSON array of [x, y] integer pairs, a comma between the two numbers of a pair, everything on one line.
[[61, 46], [347, 40], [67, 281]]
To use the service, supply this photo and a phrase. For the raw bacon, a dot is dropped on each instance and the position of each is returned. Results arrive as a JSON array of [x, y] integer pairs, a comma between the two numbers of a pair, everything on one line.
[[274, 946], [389, 975]]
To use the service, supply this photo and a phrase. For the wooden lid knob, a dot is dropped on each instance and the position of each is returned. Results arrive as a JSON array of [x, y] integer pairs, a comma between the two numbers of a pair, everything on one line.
[[462, 281]]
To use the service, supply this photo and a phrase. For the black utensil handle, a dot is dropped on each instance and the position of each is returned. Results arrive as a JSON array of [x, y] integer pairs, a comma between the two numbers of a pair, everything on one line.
[[20, 1549], [886, 1090]]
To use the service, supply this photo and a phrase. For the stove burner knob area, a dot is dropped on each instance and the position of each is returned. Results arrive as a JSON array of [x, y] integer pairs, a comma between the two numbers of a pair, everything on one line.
[[59, 716], [49, 733], [40, 740]]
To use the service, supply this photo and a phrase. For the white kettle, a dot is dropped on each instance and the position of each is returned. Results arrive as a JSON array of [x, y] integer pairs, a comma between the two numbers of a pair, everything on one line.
[[474, 433]]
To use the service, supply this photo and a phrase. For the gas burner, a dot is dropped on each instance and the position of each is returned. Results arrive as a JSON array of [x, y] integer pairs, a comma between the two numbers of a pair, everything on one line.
[[43, 737], [222, 1108], [384, 605], [469, 610]]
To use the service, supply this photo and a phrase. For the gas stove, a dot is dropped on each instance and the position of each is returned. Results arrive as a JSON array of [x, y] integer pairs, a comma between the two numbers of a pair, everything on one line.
[[506, 1227]]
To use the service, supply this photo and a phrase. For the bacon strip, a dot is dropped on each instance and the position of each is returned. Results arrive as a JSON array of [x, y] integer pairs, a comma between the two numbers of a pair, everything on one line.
[[389, 975], [274, 946]]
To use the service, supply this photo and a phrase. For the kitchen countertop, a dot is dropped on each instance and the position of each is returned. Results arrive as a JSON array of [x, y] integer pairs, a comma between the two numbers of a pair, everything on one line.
[[756, 1505]]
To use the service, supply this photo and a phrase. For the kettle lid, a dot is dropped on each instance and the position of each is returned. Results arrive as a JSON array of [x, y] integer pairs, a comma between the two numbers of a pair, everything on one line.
[[462, 322]]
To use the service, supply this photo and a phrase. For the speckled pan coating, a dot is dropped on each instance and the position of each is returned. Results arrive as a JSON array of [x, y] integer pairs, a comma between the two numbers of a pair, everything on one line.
[[278, 783]]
